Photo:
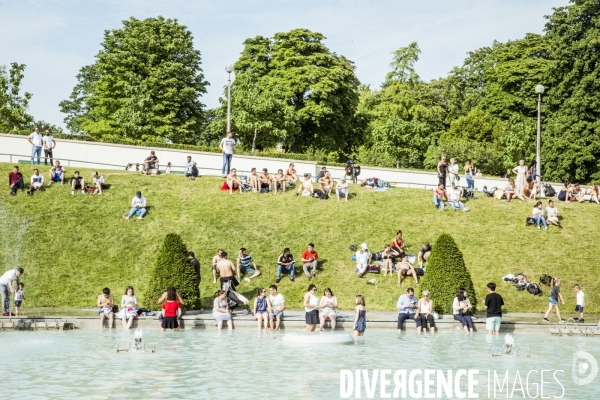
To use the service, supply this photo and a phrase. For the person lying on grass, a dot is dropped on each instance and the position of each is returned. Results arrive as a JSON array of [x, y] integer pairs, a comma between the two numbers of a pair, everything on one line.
[[403, 268]]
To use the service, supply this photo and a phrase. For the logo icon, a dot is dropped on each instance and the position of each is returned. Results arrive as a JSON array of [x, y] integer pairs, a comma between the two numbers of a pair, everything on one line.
[[584, 368]]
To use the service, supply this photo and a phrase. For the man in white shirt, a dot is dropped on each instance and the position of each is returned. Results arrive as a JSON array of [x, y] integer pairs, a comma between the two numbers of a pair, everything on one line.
[[37, 182], [49, 145], [191, 170], [278, 303], [36, 144], [138, 206], [453, 172], [9, 282], [227, 144], [454, 199], [552, 213]]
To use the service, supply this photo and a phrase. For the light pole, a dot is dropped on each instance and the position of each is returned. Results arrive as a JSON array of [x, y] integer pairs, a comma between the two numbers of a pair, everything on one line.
[[539, 89], [229, 69]]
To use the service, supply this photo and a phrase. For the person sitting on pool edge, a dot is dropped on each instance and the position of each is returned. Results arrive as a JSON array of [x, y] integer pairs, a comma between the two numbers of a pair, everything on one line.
[[105, 304], [407, 303], [277, 306], [244, 261]]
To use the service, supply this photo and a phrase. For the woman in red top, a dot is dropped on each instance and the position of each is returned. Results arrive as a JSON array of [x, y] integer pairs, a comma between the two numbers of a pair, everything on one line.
[[398, 245], [171, 311]]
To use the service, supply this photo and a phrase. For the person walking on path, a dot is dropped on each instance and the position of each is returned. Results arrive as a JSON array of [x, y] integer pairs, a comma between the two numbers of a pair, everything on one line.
[[227, 145], [36, 144], [555, 295]]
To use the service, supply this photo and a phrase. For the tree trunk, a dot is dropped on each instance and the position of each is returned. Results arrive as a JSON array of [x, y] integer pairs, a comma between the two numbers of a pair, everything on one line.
[[254, 140]]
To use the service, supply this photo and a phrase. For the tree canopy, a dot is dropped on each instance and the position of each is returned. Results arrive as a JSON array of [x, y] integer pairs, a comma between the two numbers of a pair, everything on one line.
[[13, 104], [145, 84]]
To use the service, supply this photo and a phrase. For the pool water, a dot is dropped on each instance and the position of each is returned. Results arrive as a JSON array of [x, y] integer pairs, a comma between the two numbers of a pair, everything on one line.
[[247, 364]]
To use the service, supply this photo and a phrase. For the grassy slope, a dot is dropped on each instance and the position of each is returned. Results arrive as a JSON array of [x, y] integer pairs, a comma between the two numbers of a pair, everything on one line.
[[74, 246]]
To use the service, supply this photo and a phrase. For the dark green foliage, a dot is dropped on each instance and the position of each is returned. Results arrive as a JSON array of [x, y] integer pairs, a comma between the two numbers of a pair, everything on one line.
[[173, 268], [446, 273], [13, 104]]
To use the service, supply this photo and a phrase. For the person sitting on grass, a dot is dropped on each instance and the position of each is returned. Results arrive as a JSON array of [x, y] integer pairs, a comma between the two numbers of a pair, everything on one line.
[[326, 183], [310, 258], [552, 214], [388, 264], [265, 180], [220, 310], [555, 295], [262, 308], [577, 193], [565, 193], [279, 181], [77, 183], [233, 181], [580, 303], [321, 174], [510, 192], [406, 305], [98, 182], [150, 162], [425, 312], [37, 182], [424, 253], [171, 311], [363, 260], [439, 194], [454, 199], [57, 173], [461, 307], [398, 245], [341, 189], [253, 180], [538, 214], [105, 304], [595, 194], [290, 174], [15, 181], [278, 305], [531, 190], [138, 206], [191, 169], [245, 262], [403, 268], [305, 187], [285, 263], [328, 304]]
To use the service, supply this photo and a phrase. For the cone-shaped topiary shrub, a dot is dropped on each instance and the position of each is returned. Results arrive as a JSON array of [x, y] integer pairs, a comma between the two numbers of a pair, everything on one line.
[[445, 274], [173, 268]]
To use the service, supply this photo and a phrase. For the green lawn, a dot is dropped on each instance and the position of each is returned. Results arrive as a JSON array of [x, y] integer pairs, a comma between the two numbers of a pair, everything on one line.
[[73, 246]]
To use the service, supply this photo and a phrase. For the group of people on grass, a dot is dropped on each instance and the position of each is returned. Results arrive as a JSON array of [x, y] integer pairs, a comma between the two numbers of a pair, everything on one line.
[[56, 174]]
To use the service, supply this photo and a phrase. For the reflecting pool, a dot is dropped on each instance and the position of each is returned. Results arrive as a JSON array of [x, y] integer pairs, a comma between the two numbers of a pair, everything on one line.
[[247, 364]]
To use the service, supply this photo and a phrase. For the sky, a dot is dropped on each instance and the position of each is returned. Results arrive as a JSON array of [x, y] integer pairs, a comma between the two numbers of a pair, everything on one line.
[[56, 38]]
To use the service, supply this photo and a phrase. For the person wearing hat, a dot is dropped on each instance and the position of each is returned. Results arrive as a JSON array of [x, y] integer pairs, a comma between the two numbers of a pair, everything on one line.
[[150, 162], [341, 189], [363, 259], [454, 199], [305, 187], [138, 206]]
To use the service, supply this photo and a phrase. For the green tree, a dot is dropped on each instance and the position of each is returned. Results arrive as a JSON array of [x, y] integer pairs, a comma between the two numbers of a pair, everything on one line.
[[173, 268], [403, 65], [446, 273], [145, 84], [318, 85], [13, 104], [571, 146]]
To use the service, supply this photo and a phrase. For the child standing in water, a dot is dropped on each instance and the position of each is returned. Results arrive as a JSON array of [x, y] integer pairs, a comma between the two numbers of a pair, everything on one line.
[[360, 319], [19, 298], [553, 300]]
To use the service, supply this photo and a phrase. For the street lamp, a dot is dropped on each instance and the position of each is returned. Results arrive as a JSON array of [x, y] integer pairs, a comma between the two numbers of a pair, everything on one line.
[[229, 69], [539, 89]]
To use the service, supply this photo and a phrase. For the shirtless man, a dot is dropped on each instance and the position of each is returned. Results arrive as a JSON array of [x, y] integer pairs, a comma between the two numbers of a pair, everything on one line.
[[326, 183], [265, 180], [233, 181], [279, 179], [215, 260], [106, 301], [306, 187], [253, 180], [225, 269], [403, 268]]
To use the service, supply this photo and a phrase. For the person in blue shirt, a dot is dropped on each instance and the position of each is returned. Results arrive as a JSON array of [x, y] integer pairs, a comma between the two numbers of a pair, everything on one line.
[[407, 303]]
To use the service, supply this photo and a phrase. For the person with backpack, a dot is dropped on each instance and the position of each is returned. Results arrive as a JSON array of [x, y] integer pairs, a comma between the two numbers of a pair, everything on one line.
[[555, 295]]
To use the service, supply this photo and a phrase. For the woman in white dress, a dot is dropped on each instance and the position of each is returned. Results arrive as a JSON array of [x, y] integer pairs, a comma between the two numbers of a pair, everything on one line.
[[521, 171]]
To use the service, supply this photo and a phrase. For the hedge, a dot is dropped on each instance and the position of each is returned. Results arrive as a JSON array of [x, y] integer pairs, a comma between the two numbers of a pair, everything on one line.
[[445, 274], [173, 268]]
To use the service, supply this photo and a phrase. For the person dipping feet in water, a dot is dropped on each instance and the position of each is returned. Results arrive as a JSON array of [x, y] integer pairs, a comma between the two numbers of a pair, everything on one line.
[[262, 308], [105, 303]]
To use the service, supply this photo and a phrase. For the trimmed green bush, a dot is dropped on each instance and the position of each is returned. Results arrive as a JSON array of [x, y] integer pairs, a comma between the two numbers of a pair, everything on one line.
[[173, 268], [446, 273]]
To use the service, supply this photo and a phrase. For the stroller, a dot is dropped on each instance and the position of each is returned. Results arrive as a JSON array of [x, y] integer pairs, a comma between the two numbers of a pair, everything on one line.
[[468, 194], [352, 170], [235, 300]]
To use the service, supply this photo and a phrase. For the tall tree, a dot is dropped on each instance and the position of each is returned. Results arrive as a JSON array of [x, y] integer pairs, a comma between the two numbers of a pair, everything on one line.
[[318, 85], [13, 104], [145, 85], [572, 135]]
